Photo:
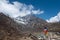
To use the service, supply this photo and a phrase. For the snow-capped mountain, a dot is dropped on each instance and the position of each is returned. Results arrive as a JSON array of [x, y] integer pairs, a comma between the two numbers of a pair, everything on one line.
[[29, 19], [30, 22]]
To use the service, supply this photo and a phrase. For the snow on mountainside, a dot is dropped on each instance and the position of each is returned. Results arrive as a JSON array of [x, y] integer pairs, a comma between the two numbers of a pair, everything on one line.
[[20, 20], [28, 19]]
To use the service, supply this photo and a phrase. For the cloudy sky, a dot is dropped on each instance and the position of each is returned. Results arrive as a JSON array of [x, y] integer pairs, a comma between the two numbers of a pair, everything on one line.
[[48, 10]]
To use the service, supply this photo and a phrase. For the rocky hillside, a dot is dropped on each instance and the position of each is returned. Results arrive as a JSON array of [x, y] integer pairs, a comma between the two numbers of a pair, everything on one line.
[[11, 30], [54, 27], [8, 28]]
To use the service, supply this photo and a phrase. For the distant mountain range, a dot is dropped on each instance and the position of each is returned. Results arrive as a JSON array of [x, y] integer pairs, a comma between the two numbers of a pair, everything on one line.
[[29, 23]]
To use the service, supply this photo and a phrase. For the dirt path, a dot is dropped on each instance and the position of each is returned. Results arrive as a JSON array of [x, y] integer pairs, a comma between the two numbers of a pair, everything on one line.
[[27, 38]]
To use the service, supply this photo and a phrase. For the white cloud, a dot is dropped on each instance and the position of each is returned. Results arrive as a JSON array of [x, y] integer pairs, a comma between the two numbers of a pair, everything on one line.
[[37, 11], [17, 9], [54, 19]]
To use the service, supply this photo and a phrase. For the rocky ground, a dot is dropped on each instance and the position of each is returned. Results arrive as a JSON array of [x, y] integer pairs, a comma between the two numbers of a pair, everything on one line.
[[49, 36]]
